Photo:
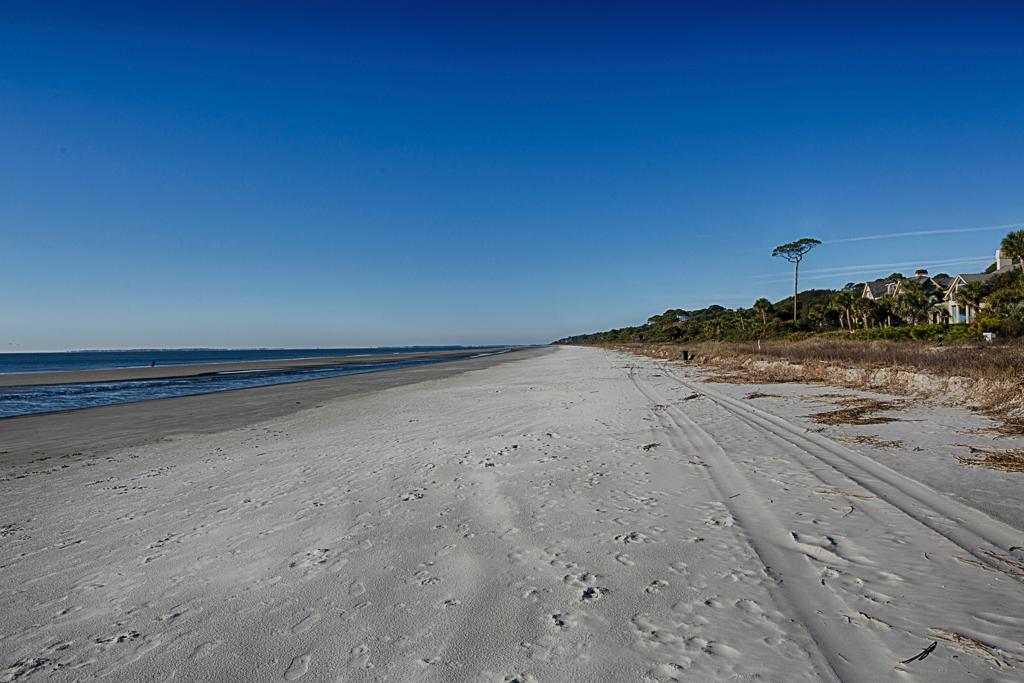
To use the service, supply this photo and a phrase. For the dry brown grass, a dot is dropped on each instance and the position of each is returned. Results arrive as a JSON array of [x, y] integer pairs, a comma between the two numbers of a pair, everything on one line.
[[739, 378], [1002, 564], [842, 493], [1010, 460], [873, 441], [978, 360], [858, 411], [983, 378], [972, 646], [761, 394], [987, 361]]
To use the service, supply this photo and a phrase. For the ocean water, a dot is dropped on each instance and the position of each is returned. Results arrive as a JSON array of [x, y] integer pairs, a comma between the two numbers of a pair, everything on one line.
[[29, 399], [137, 358]]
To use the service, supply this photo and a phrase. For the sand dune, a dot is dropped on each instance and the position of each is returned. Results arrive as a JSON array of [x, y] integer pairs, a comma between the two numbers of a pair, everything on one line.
[[577, 515]]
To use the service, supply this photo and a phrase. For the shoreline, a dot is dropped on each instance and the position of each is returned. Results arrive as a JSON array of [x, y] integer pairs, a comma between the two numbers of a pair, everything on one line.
[[85, 431], [51, 377]]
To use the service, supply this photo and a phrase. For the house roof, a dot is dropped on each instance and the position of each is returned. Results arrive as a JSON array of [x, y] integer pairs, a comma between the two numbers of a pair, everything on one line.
[[928, 284], [981, 277], [877, 288]]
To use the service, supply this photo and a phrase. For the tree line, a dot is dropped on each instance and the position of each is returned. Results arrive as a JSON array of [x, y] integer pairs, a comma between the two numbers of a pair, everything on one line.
[[998, 301]]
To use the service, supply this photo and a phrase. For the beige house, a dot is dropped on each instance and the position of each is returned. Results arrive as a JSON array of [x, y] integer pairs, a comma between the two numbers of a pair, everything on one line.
[[942, 290], [961, 312], [934, 287]]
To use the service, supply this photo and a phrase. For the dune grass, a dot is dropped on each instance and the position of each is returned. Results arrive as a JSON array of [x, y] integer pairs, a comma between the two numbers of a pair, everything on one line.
[[982, 361]]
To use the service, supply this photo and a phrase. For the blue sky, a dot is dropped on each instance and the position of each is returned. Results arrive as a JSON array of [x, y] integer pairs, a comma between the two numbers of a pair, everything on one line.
[[306, 174]]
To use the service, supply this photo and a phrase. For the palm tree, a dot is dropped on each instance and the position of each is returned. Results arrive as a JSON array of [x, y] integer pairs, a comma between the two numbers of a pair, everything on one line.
[[912, 302], [1013, 246], [843, 302], [883, 309], [764, 307], [864, 308], [816, 314], [972, 294]]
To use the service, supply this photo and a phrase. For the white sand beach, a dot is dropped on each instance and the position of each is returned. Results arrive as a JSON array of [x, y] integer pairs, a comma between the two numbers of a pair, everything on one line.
[[578, 515]]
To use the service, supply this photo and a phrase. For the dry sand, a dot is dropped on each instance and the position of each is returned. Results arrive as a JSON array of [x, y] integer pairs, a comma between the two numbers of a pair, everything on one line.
[[575, 515]]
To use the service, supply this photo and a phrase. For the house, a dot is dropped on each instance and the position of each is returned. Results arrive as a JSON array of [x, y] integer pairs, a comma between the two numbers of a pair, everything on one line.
[[878, 289], [934, 287], [962, 312], [942, 290]]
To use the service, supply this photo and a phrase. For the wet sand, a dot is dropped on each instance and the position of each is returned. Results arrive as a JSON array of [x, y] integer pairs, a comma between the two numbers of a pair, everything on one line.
[[88, 431], [196, 370]]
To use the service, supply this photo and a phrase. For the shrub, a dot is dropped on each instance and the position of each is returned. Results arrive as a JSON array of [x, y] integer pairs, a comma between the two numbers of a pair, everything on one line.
[[1012, 327]]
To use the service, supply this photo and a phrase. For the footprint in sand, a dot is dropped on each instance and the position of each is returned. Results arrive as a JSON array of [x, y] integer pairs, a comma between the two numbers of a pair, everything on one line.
[[318, 559], [564, 620], [582, 580], [359, 657], [310, 559], [298, 668], [415, 494], [204, 649], [748, 606], [306, 623], [118, 638], [679, 568], [623, 559], [634, 537], [720, 521]]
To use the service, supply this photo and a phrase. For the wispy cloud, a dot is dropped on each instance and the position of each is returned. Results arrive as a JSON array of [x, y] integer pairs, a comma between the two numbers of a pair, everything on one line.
[[875, 268], [915, 233], [896, 264]]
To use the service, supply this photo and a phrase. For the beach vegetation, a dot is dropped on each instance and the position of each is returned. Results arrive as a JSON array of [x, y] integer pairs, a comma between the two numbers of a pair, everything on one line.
[[900, 309], [1013, 246]]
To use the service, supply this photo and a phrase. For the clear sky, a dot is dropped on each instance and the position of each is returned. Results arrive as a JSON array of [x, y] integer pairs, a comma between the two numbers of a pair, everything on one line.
[[341, 174]]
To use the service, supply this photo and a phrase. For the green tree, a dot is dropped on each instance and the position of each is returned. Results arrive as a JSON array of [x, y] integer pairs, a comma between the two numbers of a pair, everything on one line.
[[864, 309], [884, 310], [1013, 246], [794, 252], [669, 317], [843, 302], [912, 302], [816, 314], [764, 307], [1008, 302], [894, 276], [972, 294]]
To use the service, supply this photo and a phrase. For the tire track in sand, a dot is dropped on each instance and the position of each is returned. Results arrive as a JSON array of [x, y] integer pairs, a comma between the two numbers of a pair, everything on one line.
[[840, 651], [971, 530]]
